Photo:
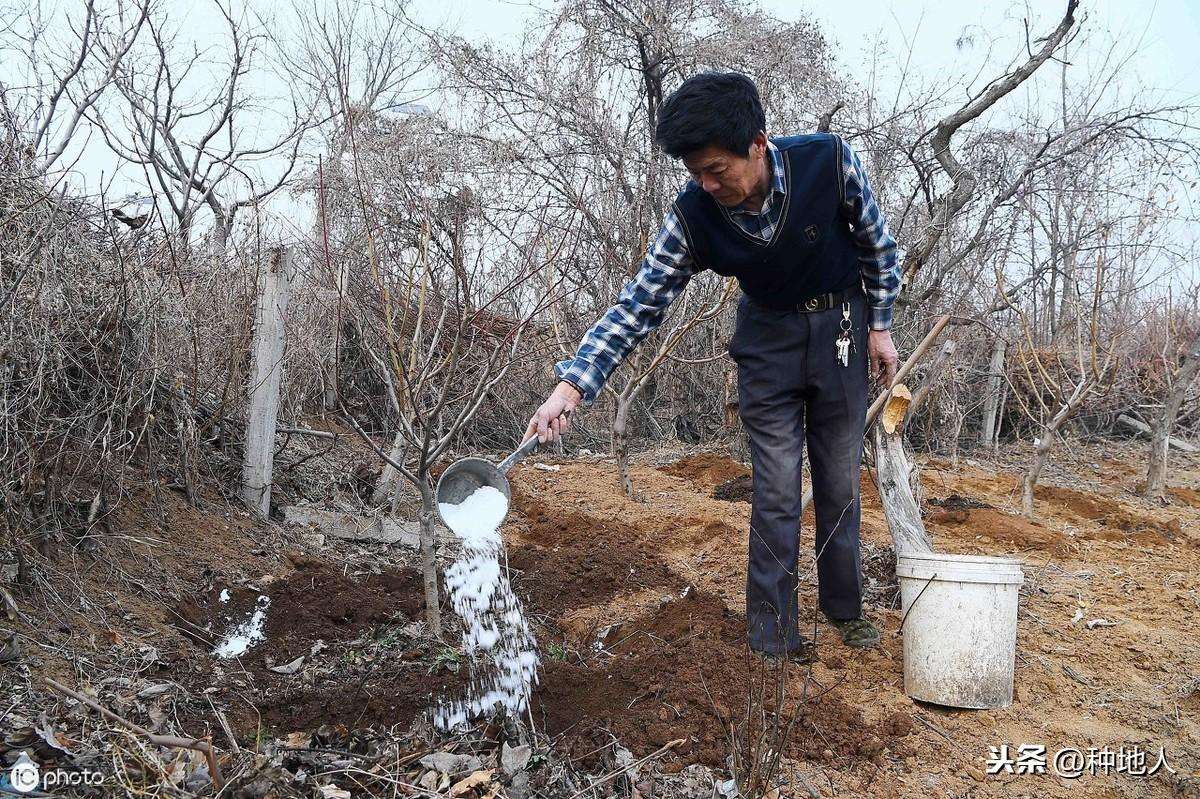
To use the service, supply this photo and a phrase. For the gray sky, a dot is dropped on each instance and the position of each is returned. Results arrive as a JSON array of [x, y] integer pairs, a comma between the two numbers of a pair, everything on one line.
[[949, 40], [1165, 33]]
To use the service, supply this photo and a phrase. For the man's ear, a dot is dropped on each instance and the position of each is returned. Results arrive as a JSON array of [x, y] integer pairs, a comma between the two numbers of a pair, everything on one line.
[[758, 145]]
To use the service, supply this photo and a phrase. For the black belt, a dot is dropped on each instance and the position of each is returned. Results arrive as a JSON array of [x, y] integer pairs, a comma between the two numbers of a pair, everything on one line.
[[820, 302]]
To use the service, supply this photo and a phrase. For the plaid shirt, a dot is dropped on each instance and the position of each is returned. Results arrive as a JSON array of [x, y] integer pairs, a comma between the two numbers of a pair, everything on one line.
[[668, 266]]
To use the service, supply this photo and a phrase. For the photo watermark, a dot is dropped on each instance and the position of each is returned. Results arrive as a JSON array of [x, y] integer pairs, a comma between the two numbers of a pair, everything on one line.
[[25, 777], [1071, 762]]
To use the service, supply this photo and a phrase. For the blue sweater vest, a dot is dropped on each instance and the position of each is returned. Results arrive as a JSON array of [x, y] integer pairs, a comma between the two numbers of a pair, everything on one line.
[[811, 251]]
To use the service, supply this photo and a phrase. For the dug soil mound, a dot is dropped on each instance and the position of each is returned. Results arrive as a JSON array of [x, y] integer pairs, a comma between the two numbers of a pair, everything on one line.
[[988, 524], [683, 671], [571, 560], [706, 469], [1115, 522], [637, 645]]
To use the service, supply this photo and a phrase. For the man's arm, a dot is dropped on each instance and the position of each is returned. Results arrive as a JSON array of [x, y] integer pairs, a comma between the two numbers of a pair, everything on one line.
[[879, 257], [879, 265], [639, 310]]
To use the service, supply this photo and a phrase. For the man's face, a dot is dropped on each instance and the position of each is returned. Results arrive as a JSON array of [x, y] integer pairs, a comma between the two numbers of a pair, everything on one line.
[[728, 177]]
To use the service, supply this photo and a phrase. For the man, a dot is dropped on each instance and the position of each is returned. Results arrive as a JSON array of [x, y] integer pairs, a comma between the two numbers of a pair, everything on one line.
[[794, 220]]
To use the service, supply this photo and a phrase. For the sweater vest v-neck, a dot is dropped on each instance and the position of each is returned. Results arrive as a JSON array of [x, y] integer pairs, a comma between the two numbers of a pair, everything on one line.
[[811, 251]]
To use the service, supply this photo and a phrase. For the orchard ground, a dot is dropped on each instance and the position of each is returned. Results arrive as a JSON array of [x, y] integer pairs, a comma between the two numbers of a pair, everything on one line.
[[638, 607]]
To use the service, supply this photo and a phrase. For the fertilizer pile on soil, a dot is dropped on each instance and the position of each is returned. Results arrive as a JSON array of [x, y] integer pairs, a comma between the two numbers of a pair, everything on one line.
[[497, 637], [739, 489], [242, 636]]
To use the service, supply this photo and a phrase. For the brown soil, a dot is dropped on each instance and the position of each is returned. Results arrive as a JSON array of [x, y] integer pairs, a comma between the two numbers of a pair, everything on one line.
[[382, 676], [706, 468], [314, 603], [739, 489], [660, 650], [601, 570], [682, 671], [1188, 496], [1117, 521], [988, 524], [570, 559], [659, 583]]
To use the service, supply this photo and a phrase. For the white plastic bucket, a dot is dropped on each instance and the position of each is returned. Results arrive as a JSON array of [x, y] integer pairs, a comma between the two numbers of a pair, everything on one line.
[[960, 628]]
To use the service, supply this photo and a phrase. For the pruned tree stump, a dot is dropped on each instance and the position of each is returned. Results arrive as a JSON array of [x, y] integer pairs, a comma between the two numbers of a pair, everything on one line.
[[894, 468]]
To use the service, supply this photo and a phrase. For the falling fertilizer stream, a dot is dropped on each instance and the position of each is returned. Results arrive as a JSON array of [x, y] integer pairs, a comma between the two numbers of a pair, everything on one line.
[[497, 637]]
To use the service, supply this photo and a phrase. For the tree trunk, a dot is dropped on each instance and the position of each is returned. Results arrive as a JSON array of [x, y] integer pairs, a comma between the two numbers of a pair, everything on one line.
[[739, 444], [1068, 301], [1000, 418], [956, 433], [433, 608], [1040, 450], [1041, 447], [390, 474], [1156, 472], [222, 229], [620, 443], [988, 433]]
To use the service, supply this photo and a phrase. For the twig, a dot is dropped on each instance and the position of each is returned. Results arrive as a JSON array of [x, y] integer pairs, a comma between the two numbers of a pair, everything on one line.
[[929, 725], [154, 738], [808, 787], [665, 748], [224, 722], [304, 431]]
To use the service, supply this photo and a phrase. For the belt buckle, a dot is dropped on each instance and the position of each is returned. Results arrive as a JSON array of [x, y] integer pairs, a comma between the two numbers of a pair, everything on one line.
[[812, 304]]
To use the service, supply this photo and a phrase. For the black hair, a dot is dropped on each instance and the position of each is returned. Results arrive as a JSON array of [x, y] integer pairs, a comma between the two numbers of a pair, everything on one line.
[[712, 108]]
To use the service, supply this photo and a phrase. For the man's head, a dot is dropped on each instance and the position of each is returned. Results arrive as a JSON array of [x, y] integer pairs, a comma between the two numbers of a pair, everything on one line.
[[714, 122]]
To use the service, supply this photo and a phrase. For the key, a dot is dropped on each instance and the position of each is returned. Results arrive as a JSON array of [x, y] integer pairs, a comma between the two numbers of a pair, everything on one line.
[[843, 350], [845, 343]]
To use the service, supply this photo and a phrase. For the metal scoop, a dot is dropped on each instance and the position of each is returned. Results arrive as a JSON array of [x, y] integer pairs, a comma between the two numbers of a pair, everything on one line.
[[465, 475]]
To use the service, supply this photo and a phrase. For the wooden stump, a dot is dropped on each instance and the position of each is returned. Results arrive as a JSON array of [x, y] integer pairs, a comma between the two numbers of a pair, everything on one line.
[[894, 468]]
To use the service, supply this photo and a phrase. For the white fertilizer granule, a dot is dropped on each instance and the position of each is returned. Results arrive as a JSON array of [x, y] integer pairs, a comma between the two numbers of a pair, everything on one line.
[[245, 635], [502, 650]]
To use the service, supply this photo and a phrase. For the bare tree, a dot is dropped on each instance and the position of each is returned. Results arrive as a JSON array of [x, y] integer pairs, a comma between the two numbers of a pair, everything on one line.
[[442, 313], [1180, 381], [577, 110], [198, 146], [964, 180], [65, 75], [1067, 384]]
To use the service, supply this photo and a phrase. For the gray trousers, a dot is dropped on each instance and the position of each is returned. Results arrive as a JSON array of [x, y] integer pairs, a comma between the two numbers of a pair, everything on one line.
[[792, 390]]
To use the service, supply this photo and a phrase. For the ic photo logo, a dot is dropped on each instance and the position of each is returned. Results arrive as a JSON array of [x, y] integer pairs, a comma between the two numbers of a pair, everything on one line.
[[24, 776]]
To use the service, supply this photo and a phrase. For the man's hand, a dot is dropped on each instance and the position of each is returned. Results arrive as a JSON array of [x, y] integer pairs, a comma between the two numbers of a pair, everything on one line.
[[881, 354], [553, 418]]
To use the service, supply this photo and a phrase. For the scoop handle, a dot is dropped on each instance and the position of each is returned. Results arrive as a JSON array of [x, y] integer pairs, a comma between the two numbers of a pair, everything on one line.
[[515, 458]]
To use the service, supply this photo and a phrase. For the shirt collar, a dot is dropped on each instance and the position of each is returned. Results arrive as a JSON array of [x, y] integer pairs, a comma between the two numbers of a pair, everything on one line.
[[778, 185]]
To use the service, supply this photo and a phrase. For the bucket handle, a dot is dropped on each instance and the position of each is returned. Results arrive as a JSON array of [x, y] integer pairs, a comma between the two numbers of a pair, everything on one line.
[[914, 602]]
